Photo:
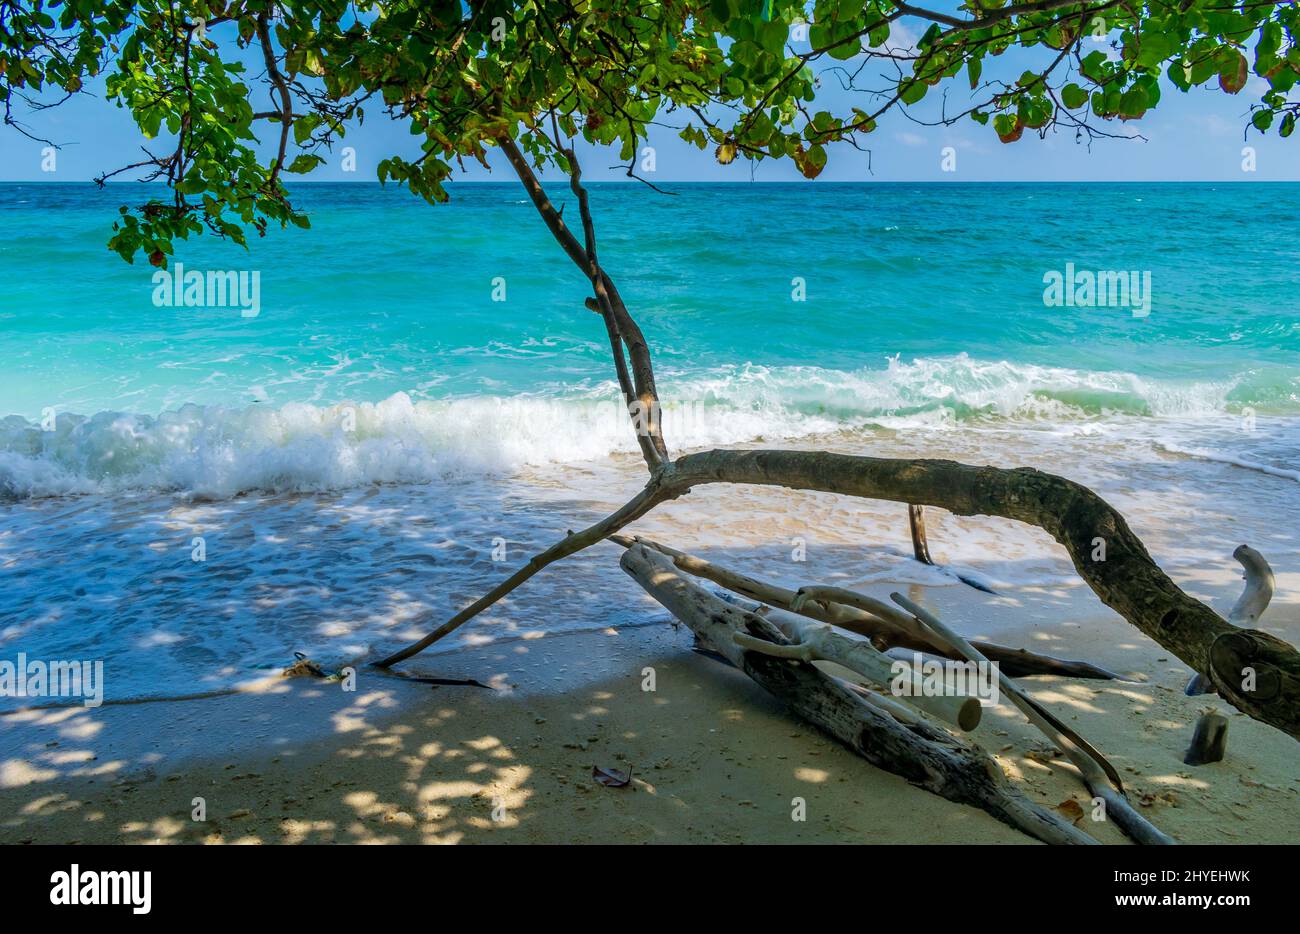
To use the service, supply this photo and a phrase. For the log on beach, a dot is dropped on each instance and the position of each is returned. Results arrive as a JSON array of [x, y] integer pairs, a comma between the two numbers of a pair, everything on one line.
[[886, 626], [905, 745]]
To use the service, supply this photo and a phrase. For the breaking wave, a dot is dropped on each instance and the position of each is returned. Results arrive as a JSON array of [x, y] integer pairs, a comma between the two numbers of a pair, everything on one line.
[[213, 452]]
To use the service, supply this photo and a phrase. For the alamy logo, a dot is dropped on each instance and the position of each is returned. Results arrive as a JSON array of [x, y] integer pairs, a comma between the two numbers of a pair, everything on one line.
[[103, 888], [58, 678], [922, 677], [217, 288], [1107, 288]]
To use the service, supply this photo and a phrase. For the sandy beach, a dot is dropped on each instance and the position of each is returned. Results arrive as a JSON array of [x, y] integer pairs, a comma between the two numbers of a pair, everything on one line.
[[712, 757], [520, 349]]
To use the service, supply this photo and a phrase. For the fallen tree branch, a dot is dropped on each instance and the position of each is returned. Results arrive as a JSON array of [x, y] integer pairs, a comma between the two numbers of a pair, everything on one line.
[[1256, 672], [886, 626], [923, 754], [652, 495], [1098, 774], [964, 650], [812, 641]]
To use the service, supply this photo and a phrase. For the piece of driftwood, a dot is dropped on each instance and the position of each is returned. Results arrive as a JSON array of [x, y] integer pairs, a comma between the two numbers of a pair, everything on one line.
[[885, 625], [1210, 736], [1098, 775], [921, 546], [908, 746], [1250, 606], [1209, 740], [916, 521], [812, 641], [963, 712]]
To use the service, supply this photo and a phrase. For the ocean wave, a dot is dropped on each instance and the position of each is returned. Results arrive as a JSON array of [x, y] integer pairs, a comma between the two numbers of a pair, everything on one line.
[[1221, 457], [961, 388], [212, 452]]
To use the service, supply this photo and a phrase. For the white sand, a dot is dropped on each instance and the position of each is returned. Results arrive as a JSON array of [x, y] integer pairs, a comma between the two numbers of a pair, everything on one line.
[[713, 758]]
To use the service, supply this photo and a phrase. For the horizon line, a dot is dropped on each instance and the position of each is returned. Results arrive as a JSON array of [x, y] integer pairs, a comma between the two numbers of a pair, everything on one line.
[[805, 182]]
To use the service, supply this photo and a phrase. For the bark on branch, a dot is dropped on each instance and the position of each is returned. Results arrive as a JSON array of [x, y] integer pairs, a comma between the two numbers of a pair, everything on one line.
[[812, 641], [1256, 672], [623, 331], [1097, 773]]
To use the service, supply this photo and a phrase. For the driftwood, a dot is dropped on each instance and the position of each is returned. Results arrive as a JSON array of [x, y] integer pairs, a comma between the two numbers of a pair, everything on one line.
[[812, 641], [1250, 606], [1210, 736], [1209, 740], [916, 522], [885, 625], [1098, 774], [905, 745]]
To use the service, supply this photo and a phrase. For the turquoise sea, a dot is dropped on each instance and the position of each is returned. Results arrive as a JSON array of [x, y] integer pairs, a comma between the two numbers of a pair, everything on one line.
[[420, 381], [386, 294]]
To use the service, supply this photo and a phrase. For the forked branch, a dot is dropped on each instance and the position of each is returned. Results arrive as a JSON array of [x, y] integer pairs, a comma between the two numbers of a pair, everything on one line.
[[638, 388]]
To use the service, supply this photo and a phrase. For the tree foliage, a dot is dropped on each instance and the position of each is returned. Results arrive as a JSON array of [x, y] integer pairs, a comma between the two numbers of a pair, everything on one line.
[[740, 77]]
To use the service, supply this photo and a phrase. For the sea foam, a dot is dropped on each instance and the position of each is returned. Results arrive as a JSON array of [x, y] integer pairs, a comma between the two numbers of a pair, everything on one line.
[[215, 452]]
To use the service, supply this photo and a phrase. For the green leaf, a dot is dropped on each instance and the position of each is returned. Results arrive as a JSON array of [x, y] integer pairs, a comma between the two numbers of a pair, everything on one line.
[[1134, 103], [304, 163], [846, 50], [1232, 71], [1156, 46], [1094, 65], [1073, 96], [304, 126], [913, 91]]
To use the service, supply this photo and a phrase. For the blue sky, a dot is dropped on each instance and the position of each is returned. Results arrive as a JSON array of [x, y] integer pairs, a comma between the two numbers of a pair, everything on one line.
[[1198, 136]]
